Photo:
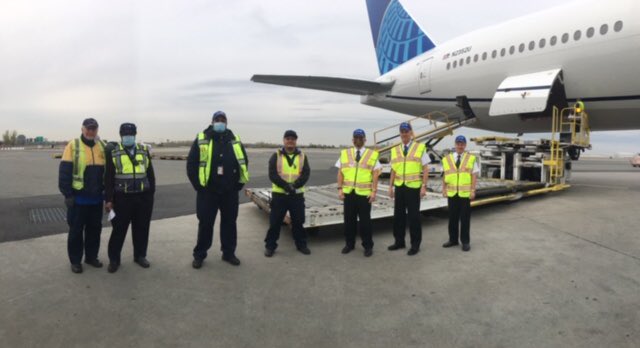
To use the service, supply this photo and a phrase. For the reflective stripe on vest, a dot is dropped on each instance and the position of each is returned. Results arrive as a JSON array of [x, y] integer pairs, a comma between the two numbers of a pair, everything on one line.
[[288, 173], [458, 180], [206, 154], [131, 177], [80, 163], [358, 176], [408, 169]]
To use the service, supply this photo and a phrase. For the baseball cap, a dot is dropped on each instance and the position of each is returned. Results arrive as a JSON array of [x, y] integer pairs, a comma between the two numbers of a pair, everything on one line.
[[461, 139], [128, 129], [359, 133], [405, 126], [219, 114], [90, 123], [290, 133]]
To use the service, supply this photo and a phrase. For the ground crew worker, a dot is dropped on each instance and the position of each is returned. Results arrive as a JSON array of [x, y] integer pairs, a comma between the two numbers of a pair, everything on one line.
[[289, 172], [217, 168], [459, 186], [407, 185], [130, 185], [80, 180], [358, 173]]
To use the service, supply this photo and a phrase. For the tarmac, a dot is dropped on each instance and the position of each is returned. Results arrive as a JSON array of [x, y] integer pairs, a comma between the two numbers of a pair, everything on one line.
[[559, 270]]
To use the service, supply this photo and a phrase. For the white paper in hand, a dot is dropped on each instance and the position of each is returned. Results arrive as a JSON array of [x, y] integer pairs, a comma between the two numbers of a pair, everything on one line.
[[112, 214]]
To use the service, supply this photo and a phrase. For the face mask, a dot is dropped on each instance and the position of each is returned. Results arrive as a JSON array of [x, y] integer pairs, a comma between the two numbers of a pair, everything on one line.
[[128, 140], [219, 127]]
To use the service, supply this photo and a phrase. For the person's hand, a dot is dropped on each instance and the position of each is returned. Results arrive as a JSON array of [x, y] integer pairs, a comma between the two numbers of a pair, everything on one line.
[[69, 201], [473, 195], [423, 192], [444, 193], [372, 198], [341, 194], [391, 193], [290, 189], [108, 206]]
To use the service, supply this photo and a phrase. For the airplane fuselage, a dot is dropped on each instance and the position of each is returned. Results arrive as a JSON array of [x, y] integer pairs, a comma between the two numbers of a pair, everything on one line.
[[596, 44]]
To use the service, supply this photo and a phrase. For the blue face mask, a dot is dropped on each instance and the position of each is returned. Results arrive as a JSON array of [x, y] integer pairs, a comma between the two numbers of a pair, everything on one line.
[[219, 127], [128, 140]]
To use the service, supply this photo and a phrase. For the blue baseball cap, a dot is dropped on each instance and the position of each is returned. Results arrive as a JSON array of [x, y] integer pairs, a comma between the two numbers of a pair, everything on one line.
[[461, 139], [405, 126], [358, 133], [219, 114]]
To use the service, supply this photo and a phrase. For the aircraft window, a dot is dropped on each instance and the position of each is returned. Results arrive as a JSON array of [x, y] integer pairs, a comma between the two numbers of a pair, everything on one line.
[[475, 58], [521, 48], [618, 26], [565, 38], [577, 35], [604, 29], [455, 64], [542, 43], [494, 54], [532, 45], [512, 49], [484, 56], [468, 59], [590, 32], [448, 65], [553, 40], [503, 52], [461, 61]]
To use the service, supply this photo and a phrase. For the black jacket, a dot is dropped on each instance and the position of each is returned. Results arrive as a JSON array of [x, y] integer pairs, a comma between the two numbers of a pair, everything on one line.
[[110, 176], [223, 156], [273, 170]]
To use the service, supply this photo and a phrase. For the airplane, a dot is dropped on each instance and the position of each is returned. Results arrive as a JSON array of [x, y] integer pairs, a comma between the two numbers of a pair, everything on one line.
[[510, 74]]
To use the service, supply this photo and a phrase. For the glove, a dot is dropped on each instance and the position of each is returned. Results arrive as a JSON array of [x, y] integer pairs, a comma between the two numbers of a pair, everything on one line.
[[290, 189], [69, 201]]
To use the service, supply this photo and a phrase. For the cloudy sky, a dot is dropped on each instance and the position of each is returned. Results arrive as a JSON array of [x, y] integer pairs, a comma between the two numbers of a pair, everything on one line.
[[167, 65]]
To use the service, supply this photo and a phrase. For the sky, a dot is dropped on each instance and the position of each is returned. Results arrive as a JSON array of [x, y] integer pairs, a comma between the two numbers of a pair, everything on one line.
[[168, 65]]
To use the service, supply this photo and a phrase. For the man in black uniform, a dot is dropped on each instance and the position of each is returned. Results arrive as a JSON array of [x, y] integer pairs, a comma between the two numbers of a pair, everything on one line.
[[130, 184], [217, 169], [289, 172]]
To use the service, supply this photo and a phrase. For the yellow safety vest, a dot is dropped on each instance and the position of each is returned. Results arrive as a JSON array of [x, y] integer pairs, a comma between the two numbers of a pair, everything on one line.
[[80, 162], [458, 180], [358, 175], [408, 169], [288, 173], [206, 154], [131, 176]]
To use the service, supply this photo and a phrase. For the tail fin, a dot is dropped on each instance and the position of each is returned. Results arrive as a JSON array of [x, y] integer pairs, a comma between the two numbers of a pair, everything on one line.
[[397, 38]]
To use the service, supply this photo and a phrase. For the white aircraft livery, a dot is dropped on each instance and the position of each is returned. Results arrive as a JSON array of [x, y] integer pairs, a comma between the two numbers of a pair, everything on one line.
[[510, 74]]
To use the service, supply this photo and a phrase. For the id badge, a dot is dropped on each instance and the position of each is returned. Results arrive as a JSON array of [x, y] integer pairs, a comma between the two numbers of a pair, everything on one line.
[[220, 171]]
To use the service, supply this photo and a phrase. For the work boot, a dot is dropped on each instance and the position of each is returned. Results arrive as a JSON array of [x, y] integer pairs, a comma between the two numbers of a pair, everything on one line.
[[368, 252], [197, 263], [305, 250], [347, 249], [76, 268], [449, 244], [142, 262], [95, 263], [232, 259], [396, 246], [466, 247], [269, 252], [113, 267], [413, 251]]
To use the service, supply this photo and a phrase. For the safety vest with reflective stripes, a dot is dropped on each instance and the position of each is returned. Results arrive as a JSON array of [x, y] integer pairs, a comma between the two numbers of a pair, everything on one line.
[[206, 155], [80, 162], [408, 168], [131, 175], [458, 180], [358, 175], [288, 173]]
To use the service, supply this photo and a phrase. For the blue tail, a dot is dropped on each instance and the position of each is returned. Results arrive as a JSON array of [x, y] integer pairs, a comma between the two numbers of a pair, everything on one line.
[[397, 38]]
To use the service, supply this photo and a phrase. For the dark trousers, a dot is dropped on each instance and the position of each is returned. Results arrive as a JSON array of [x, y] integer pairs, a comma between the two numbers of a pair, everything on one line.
[[134, 209], [280, 204], [407, 202], [459, 212], [207, 205], [357, 213], [85, 226]]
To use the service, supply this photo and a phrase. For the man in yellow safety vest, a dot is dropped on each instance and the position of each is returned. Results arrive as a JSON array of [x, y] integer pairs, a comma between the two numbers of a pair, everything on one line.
[[217, 167], [81, 181], [459, 186], [358, 173], [289, 172], [407, 185]]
